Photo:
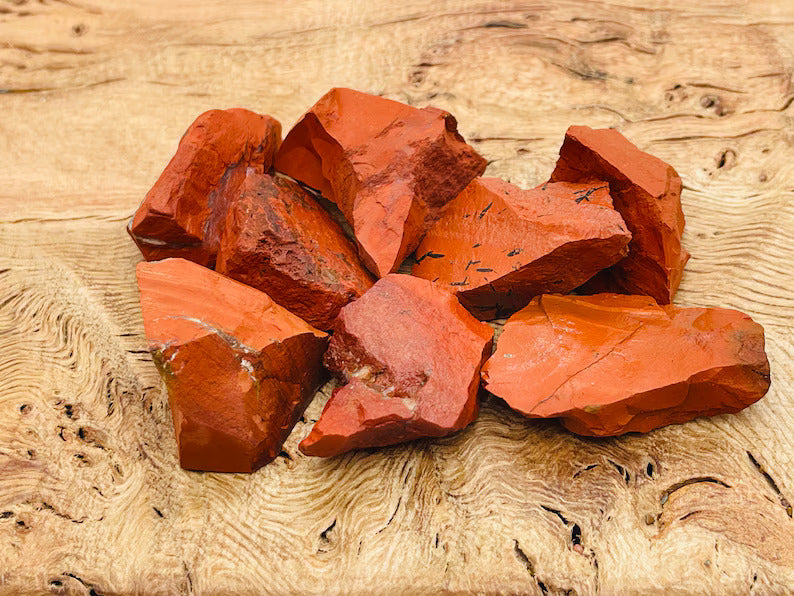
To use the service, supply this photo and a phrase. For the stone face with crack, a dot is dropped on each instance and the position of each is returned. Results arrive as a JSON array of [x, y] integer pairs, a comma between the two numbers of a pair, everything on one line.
[[239, 368], [647, 193], [391, 168], [278, 238], [498, 245], [183, 213], [610, 364], [410, 357]]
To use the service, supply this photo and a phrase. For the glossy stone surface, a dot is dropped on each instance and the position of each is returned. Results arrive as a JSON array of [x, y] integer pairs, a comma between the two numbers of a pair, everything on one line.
[[277, 238], [409, 356], [497, 245], [181, 216], [239, 368], [647, 193], [391, 168], [610, 364]]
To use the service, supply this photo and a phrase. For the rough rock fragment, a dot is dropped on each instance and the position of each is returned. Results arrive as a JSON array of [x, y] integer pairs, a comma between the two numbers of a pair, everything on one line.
[[277, 238], [497, 245], [647, 193], [610, 364], [239, 369], [410, 356], [391, 168], [182, 214]]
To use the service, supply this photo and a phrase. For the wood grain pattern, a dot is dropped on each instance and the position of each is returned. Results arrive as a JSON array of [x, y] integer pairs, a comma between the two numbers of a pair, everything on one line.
[[94, 97]]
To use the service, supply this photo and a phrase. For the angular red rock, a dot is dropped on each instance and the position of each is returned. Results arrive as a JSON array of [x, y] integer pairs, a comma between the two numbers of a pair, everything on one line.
[[277, 238], [647, 193], [410, 356], [497, 245], [391, 168], [182, 214], [610, 364], [239, 369]]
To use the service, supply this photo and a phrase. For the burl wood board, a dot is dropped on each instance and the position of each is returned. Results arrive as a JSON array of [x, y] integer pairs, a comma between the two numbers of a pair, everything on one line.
[[94, 96]]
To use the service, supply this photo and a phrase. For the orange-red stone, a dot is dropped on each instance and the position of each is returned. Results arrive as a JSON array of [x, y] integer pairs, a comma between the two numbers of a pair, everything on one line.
[[410, 356], [647, 193], [182, 214], [239, 369], [610, 364], [391, 168], [497, 245], [277, 238]]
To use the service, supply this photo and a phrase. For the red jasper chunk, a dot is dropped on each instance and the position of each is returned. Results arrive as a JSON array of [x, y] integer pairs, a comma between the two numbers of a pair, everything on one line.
[[610, 364], [647, 193], [277, 238], [391, 168], [497, 246], [239, 368], [409, 355], [181, 216]]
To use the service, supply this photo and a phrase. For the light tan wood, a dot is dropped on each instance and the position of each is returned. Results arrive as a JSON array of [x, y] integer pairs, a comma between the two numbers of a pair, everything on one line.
[[94, 98]]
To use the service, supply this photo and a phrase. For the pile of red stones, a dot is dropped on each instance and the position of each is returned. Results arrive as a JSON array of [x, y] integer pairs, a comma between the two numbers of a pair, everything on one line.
[[258, 250]]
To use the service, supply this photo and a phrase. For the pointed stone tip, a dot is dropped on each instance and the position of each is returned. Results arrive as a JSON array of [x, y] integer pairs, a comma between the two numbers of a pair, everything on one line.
[[308, 446]]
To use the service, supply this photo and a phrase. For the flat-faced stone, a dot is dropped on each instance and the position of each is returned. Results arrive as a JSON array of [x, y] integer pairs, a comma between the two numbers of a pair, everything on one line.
[[181, 216], [277, 238], [391, 168], [647, 193], [409, 357], [497, 245], [609, 364], [239, 368]]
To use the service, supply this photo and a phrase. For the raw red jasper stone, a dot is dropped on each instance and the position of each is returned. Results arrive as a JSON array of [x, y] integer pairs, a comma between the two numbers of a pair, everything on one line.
[[647, 193], [497, 245], [610, 364], [410, 356], [182, 214], [390, 168], [277, 238], [239, 368]]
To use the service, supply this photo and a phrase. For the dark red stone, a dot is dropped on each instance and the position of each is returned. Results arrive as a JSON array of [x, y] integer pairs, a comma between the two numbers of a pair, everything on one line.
[[391, 168], [647, 193], [239, 369], [409, 355], [182, 214], [277, 238]]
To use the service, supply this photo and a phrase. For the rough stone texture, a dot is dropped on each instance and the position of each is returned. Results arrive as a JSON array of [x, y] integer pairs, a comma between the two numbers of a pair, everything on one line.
[[278, 238], [391, 168], [239, 369], [410, 356], [182, 214], [647, 193], [610, 364], [497, 245]]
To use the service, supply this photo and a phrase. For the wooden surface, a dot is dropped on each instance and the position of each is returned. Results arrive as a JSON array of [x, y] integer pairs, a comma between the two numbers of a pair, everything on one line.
[[94, 97]]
